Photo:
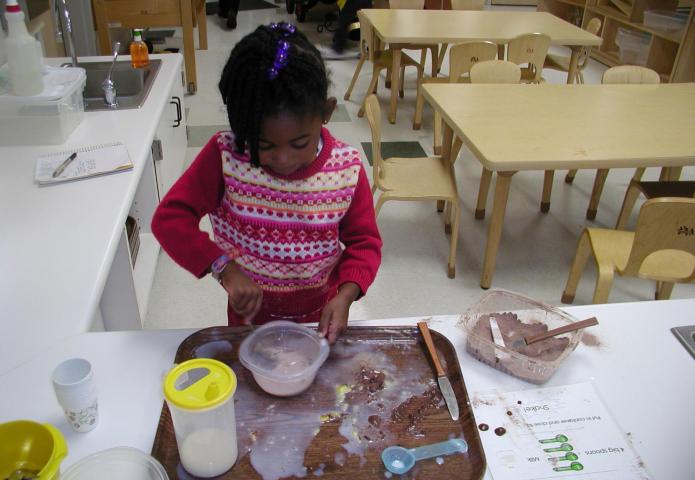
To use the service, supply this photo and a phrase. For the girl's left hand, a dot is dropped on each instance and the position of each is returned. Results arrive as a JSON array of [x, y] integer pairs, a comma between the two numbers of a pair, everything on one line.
[[334, 317]]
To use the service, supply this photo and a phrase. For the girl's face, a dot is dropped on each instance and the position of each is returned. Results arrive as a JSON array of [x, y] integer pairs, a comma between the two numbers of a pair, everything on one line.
[[288, 143]]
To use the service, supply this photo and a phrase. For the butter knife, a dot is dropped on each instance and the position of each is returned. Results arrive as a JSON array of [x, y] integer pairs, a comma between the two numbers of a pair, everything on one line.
[[444, 384]]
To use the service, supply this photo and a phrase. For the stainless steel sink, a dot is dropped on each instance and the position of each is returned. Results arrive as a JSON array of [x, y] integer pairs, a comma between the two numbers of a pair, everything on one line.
[[686, 335], [132, 84]]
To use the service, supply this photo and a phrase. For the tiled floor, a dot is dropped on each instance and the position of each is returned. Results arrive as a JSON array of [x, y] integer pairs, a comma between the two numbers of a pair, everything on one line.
[[535, 252]]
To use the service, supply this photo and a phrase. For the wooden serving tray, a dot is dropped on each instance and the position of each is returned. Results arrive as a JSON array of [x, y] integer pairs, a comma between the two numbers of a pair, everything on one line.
[[376, 389]]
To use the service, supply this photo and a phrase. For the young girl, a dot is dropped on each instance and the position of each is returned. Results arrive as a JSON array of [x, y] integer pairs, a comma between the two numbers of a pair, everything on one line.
[[291, 207]]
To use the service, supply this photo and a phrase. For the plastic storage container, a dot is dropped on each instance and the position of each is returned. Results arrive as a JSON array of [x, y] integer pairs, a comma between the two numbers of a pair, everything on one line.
[[116, 464], [633, 46], [48, 118], [665, 20], [283, 356], [200, 395], [518, 316]]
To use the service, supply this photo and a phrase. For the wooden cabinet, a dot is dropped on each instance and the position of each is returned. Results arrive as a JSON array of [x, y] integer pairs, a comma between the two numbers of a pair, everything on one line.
[[672, 54]]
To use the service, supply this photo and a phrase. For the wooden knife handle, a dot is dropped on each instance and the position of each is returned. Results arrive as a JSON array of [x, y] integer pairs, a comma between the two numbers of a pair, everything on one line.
[[425, 331], [589, 322]]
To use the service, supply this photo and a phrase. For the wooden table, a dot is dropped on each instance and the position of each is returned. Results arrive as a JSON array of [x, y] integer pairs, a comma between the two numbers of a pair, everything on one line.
[[398, 28], [520, 127]]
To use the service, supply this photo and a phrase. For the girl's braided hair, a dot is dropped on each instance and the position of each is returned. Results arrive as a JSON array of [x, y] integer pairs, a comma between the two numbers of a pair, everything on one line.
[[252, 92]]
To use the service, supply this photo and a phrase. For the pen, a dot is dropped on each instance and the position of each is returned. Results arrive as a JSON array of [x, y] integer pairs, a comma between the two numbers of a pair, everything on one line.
[[64, 165]]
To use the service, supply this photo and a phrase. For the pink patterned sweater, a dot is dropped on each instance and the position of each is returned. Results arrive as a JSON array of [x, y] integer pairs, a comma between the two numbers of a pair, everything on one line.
[[298, 236]]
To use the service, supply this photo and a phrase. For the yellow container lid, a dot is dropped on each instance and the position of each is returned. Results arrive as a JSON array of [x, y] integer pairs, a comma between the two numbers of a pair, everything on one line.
[[199, 384]]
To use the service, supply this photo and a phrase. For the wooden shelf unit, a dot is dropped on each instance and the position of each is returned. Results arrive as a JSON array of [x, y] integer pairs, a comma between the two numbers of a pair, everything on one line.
[[672, 54]]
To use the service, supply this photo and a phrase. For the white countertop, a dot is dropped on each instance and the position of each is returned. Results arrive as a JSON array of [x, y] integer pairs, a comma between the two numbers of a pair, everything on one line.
[[57, 243], [642, 373]]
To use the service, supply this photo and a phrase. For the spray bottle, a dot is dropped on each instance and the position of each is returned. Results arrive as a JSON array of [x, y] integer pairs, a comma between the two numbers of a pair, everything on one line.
[[23, 52]]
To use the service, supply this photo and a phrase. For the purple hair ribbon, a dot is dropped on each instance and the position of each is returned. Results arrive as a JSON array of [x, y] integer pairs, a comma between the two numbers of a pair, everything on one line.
[[282, 52]]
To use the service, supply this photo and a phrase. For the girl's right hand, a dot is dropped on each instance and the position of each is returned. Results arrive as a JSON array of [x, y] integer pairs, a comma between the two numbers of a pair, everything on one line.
[[244, 295]]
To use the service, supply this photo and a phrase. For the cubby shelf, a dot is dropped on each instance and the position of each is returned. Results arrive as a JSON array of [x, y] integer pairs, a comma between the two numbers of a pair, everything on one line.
[[671, 54]]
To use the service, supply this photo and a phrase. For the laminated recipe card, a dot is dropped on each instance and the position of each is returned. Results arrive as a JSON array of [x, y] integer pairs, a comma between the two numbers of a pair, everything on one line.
[[562, 432], [82, 162]]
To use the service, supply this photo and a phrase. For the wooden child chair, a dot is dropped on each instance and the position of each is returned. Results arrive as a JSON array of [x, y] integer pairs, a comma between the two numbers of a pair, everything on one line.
[[474, 5], [651, 190], [661, 248], [434, 48], [529, 49], [381, 60], [623, 74], [490, 71], [155, 13], [413, 179], [562, 62], [461, 59]]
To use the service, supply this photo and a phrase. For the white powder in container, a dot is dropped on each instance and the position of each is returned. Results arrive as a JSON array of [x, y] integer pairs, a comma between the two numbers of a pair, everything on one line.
[[208, 452]]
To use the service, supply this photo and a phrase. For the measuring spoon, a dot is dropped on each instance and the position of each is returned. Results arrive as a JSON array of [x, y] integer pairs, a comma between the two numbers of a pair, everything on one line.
[[399, 460], [565, 447], [568, 457], [574, 466], [557, 438]]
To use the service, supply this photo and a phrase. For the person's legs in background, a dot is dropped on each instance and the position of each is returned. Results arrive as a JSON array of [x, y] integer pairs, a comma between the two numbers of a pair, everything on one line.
[[346, 17], [228, 9]]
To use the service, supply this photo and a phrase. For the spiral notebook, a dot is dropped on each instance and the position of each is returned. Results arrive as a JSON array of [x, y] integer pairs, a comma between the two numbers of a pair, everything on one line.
[[87, 162]]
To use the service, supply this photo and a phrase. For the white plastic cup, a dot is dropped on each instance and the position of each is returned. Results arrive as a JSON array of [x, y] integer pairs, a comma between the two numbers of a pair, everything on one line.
[[76, 392]]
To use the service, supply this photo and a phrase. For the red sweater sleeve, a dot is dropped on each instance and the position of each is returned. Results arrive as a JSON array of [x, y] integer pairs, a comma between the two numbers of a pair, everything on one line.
[[176, 221], [359, 233]]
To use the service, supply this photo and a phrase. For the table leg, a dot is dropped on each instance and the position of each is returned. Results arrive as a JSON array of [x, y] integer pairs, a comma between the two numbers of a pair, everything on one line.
[[483, 188], [670, 174], [547, 190], [447, 151], [395, 81], [202, 25], [574, 59], [494, 234], [447, 142], [599, 182]]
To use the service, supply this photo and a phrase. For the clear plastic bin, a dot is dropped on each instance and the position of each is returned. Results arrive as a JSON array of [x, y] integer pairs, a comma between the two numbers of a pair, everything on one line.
[[633, 46], [517, 317], [665, 20], [48, 118]]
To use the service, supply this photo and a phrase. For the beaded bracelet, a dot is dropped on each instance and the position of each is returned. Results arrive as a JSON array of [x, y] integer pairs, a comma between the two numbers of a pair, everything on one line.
[[219, 265]]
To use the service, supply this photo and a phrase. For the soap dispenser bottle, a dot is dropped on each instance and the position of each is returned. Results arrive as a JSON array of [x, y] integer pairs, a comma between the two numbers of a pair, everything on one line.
[[138, 51], [24, 57]]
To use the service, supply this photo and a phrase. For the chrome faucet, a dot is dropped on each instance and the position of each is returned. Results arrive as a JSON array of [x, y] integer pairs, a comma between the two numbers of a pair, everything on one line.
[[62, 11]]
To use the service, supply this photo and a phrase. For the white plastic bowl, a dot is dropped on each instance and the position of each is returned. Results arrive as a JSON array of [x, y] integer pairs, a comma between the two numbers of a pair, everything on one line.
[[117, 463], [283, 357]]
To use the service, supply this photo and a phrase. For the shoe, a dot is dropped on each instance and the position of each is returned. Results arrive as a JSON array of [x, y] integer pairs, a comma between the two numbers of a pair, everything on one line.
[[231, 20], [329, 54]]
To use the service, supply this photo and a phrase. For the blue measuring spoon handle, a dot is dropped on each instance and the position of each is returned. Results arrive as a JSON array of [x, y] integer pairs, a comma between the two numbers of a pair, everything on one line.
[[455, 445]]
